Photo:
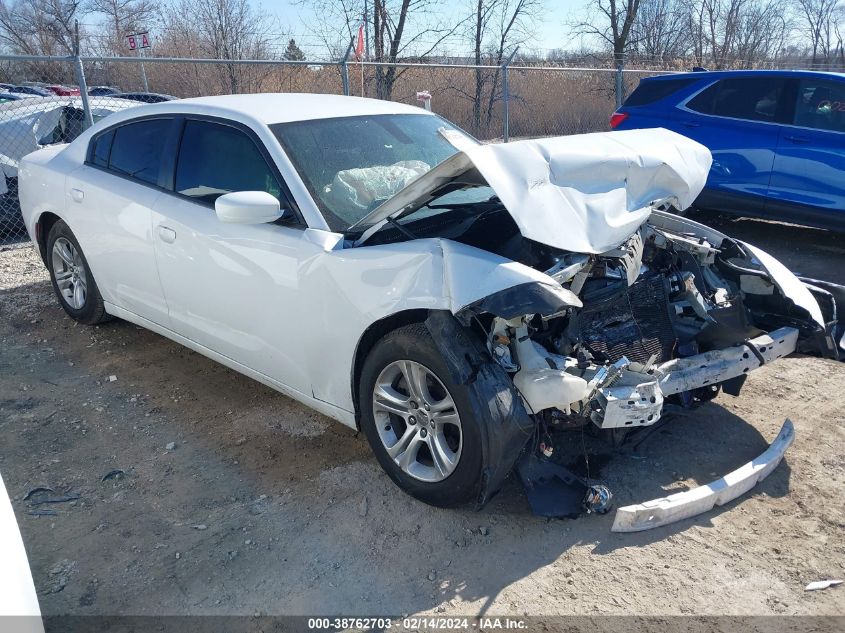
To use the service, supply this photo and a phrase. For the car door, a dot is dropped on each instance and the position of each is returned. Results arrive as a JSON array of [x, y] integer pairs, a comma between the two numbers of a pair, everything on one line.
[[737, 118], [808, 177], [233, 288], [110, 202]]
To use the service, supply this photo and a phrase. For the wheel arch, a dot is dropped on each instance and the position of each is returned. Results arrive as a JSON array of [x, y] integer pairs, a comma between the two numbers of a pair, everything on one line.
[[372, 335], [43, 225]]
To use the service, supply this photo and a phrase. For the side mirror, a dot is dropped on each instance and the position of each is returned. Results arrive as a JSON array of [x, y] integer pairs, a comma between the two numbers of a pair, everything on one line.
[[247, 207]]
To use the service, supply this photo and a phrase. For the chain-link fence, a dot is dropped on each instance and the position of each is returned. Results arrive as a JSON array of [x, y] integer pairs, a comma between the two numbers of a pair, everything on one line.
[[50, 100]]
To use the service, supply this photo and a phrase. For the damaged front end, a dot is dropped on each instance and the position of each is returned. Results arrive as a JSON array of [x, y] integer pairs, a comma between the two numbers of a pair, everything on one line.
[[669, 316], [608, 311], [675, 314]]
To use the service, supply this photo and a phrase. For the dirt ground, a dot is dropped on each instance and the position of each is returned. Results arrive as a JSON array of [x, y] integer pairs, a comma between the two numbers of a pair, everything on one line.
[[237, 500]]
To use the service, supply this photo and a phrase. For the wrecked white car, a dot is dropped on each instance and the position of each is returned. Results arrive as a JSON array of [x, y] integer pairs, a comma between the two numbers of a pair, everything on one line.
[[454, 301]]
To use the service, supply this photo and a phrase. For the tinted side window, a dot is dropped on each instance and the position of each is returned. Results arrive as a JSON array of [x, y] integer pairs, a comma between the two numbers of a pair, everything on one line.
[[137, 148], [215, 159], [703, 101], [101, 149], [655, 90], [821, 105], [750, 98]]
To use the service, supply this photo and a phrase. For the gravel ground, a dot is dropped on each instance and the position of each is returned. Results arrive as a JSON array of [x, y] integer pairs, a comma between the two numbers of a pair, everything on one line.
[[234, 499]]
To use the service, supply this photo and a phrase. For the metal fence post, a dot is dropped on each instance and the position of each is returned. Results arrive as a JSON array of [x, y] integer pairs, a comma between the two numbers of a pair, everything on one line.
[[344, 68], [620, 84], [80, 78], [506, 97]]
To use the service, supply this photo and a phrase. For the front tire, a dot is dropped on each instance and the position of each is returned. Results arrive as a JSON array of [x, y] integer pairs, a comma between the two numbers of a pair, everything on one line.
[[419, 421], [72, 279]]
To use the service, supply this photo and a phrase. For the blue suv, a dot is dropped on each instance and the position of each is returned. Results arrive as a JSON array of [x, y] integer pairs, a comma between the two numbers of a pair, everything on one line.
[[777, 138]]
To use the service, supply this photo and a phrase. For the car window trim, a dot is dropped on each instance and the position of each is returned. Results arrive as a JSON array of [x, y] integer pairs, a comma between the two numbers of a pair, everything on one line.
[[158, 185], [297, 222]]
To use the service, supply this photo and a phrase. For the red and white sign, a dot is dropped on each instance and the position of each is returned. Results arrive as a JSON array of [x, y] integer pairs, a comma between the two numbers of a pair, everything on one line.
[[359, 44], [138, 40]]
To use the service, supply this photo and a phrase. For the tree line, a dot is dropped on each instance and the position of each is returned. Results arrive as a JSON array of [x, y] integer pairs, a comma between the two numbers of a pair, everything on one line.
[[671, 33]]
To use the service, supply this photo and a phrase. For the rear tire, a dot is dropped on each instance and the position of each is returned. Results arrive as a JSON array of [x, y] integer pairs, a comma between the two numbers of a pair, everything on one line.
[[424, 436], [72, 279]]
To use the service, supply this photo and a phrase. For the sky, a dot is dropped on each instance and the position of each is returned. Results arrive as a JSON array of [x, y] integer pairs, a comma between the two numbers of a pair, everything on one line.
[[551, 30]]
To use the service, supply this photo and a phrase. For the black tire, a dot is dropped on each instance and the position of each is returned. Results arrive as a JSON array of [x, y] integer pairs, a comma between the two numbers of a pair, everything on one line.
[[413, 342], [92, 311]]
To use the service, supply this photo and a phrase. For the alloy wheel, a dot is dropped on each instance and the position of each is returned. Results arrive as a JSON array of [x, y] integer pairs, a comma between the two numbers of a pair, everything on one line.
[[417, 421], [69, 273]]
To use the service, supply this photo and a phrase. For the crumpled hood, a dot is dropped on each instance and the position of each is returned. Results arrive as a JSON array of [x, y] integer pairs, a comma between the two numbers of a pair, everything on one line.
[[586, 193]]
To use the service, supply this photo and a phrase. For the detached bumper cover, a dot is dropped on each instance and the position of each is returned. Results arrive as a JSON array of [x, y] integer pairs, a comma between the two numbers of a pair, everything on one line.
[[683, 505]]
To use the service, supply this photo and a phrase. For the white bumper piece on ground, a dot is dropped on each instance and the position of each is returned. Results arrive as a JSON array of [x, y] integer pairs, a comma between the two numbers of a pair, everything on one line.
[[683, 505]]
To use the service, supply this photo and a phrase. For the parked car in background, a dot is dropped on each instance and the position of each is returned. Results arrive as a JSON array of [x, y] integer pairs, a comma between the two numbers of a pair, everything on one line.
[[36, 91], [64, 91], [468, 296], [31, 123], [145, 97], [11, 96], [777, 138], [103, 91], [6, 86], [19, 609]]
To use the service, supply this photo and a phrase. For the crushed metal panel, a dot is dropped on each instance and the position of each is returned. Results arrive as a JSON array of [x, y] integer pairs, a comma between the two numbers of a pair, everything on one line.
[[585, 193], [788, 283], [683, 505], [714, 367]]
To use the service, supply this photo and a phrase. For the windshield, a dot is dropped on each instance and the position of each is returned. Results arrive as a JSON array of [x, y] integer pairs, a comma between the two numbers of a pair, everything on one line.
[[353, 164]]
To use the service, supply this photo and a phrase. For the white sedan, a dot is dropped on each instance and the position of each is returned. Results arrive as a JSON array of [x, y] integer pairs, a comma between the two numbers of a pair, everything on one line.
[[457, 302]]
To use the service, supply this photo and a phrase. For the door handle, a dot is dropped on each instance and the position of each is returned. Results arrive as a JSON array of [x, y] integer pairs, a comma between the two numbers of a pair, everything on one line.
[[797, 139], [166, 234], [690, 124], [77, 195]]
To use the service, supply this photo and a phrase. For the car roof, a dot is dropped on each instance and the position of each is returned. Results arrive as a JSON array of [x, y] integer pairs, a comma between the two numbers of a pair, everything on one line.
[[722, 74], [270, 108]]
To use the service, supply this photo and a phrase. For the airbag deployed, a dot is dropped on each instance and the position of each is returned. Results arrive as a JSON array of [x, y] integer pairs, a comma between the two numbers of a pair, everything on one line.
[[362, 186]]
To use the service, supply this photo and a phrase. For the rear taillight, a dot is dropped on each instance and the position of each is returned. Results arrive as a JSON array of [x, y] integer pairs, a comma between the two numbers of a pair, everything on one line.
[[616, 118]]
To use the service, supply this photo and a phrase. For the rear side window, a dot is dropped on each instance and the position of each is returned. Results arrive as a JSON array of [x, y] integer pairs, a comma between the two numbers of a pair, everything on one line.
[[821, 105], [748, 98], [101, 149], [651, 91], [137, 149], [215, 159]]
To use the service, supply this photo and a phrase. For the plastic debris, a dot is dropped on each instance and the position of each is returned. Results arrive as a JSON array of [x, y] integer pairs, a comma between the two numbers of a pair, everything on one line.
[[36, 491], [822, 584], [113, 474], [62, 499], [598, 499], [112, 378]]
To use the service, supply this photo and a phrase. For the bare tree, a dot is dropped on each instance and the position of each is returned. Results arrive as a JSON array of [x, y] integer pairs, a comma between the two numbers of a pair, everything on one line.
[[611, 21], [497, 28], [39, 27], [819, 24], [660, 31], [123, 17], [401, 30], [736, 33], [228, 30]]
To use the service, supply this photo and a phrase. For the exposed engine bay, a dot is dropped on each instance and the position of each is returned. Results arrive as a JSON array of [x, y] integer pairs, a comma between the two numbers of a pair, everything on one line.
[[629, 319]]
